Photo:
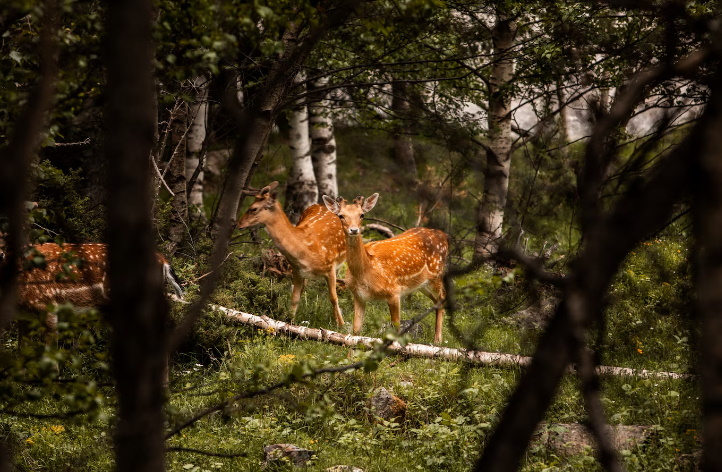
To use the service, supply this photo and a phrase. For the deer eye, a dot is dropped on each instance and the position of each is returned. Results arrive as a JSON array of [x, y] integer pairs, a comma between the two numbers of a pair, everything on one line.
[[340, 217], [362, 215], [252, 210]]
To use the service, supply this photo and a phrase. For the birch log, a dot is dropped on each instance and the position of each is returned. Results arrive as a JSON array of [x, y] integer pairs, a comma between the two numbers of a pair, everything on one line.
[[493, 359]]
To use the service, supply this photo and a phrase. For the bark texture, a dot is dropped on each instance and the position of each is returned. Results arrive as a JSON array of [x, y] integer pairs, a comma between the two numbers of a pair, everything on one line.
[[196, 137], [708, 220], [138, 310], [323, 141], [301, 188], [176, 179], [490, 214]]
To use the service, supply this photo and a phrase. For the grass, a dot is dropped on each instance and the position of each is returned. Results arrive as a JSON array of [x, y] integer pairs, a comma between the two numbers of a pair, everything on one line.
[[452, 408]]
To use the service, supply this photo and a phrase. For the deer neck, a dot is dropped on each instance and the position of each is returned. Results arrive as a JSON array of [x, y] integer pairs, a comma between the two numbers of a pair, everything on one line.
[[357, 258], [283, 233]]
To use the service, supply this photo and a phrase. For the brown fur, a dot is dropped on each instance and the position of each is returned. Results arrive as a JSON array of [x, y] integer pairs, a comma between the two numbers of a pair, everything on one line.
[[386, 270], [314, 248], [75, 273]]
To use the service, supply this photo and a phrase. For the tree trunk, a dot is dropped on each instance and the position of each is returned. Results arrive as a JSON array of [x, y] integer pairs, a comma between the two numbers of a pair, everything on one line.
[[16, 156], [403, 145], [301, 189], [490, 215], [708, 223], [138, 311], [323, 141], [176, 179], [195, 139]]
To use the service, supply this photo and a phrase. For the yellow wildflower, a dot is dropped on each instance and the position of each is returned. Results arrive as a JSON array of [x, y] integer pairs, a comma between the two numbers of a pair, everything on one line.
[[639, 351], [286, 359], [57, 429], [30, 441]]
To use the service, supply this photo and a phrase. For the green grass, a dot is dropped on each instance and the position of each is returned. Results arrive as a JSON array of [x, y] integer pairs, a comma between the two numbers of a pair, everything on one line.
[[452, 408]]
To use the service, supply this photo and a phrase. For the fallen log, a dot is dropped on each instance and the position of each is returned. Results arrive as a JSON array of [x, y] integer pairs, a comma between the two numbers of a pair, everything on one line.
[[470, 356]]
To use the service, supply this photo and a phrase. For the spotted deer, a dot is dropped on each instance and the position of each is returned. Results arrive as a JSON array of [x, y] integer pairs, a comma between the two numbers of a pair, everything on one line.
[[386, 270], [315, 247], [75, 273]]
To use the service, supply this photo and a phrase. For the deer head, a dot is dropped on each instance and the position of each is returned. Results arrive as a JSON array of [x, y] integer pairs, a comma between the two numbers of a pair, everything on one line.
[[262, 208], [351, 215]]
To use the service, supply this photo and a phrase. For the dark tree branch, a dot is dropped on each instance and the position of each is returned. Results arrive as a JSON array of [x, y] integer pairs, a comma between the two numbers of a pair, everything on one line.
[[647, 204], [15, 158]]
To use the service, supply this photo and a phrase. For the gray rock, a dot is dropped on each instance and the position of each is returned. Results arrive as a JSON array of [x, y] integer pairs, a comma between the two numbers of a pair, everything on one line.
[[277, 454], [573, 438], [387, 406]]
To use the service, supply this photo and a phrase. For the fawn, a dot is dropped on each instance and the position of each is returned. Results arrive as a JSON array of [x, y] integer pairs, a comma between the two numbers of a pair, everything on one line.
[[75, 273], [386, 270], [315, 247]]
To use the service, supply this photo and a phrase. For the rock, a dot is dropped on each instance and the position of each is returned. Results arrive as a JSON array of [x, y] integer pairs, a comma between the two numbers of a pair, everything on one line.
[[571, 439], [536, 315], [344, 468], [275, 454], [387, 406]]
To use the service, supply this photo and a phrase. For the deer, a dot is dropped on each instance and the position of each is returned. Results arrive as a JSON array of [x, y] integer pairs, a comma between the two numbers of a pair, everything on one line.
[[75, 273], [386, 270], [315, 247]]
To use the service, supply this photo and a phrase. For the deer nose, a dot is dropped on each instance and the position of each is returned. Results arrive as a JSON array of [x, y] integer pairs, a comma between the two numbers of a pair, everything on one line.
[[353, 230]]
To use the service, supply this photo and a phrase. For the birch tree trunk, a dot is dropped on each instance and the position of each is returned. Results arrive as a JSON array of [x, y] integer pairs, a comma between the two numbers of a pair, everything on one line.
[[323, 141], [490, 214], [403, 145], [301, 189], [198, 113], [176, 179]]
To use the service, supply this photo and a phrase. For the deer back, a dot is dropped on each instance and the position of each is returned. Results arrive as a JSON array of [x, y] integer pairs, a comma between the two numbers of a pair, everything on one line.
[[323, 233], [409, 259], [75, 273]]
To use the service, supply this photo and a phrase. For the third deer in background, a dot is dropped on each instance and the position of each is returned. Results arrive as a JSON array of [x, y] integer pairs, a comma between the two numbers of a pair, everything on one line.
[[386, 270]]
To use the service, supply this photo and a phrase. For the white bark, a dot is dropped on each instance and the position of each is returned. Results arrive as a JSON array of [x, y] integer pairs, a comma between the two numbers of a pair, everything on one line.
[[323, 143], [194, 143], [490, 215], [302, 189], [494, 359]]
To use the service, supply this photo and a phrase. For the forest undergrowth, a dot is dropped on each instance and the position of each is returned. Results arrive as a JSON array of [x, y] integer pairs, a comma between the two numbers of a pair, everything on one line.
[[451, 407]]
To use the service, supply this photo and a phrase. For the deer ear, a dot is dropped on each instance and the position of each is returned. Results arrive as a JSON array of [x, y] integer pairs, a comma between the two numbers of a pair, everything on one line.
[[370, 202], [267, 189], [331, 204]]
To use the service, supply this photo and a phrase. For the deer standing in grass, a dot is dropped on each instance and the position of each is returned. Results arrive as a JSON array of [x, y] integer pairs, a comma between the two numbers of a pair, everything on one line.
[[75, 273], [386, 270], [315, 247]]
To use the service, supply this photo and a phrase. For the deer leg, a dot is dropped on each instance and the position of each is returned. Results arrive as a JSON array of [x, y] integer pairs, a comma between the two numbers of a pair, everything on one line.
[[395, 310], [437, 293], [333, 296], [359, 309], [299, 284]]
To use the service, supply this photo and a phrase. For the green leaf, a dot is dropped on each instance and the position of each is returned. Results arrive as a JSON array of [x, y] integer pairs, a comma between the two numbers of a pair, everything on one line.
[[16, 56]]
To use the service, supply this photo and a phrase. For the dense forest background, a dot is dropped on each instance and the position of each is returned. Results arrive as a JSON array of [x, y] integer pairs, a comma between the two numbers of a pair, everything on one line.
[[570, 150]]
